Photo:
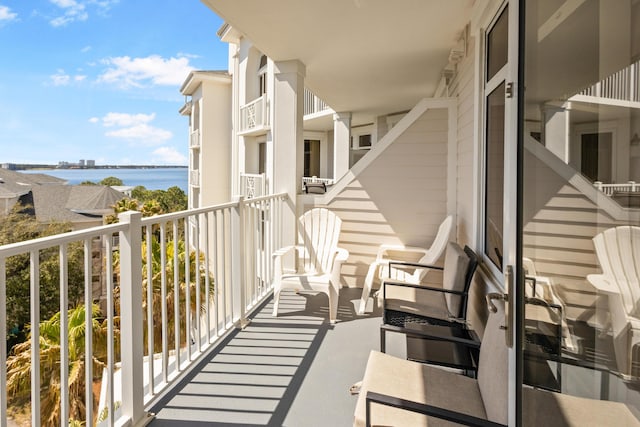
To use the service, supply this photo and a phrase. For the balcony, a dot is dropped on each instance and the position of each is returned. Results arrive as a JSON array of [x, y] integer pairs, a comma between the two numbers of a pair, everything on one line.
[[253, 185], [205, 299], [254, 117], [621, 88], [194, 178], [314, 105], [194, 139]]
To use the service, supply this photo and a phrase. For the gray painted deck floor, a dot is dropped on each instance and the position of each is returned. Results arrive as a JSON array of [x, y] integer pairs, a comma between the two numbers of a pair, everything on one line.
[[291, 370]]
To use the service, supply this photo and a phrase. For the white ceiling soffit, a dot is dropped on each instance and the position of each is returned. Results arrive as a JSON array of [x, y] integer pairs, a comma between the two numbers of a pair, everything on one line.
[[374, 56]]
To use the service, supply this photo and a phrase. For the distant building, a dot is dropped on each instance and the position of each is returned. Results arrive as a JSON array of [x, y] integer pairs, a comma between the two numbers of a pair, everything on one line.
[[9, 166], [91, 163]]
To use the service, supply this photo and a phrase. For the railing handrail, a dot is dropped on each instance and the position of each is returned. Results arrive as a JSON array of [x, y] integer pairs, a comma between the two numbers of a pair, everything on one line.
[[40, 243], [234, 242]]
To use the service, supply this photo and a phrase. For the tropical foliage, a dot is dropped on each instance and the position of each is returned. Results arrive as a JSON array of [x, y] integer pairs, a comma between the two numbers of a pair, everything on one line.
[[19, 365], [195, 276], [18, 226]]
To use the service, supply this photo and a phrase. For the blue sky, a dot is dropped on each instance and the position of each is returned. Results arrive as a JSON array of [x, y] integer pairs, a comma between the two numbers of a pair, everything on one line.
[[100, 79]]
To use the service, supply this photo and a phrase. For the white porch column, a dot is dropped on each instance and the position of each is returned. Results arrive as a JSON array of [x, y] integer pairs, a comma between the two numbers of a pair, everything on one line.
[[556, 131], [131, 337], [341, 143], [287, 133]]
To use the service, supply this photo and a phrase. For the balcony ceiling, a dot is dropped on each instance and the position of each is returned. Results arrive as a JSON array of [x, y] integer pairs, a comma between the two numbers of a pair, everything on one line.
[[364, 56]]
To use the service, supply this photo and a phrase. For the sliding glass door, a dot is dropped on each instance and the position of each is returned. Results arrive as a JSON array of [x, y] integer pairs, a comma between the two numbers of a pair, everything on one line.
[[579, 208]]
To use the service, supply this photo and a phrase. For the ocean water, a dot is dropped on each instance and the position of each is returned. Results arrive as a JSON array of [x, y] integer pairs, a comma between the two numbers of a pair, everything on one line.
[[151, 179]]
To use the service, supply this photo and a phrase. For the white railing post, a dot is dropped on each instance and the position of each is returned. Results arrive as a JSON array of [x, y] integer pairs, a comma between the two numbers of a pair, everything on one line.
[[238, 262], [131, 335]]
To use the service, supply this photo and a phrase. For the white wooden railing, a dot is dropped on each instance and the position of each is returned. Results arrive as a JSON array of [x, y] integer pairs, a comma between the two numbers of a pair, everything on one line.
[[313, 104], [315, 179], [194, 139], [196, 308], [254, 115], [253, 185], [610, 189], [623, 85], [194, 178]]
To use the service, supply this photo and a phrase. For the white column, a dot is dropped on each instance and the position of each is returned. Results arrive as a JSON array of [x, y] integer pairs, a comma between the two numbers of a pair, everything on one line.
[[131, 337], [556, 131], [341, 143], [287, 132]]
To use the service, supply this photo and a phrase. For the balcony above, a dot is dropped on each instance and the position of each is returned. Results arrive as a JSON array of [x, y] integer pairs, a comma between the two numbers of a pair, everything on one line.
[[254, 117], [194, 139]]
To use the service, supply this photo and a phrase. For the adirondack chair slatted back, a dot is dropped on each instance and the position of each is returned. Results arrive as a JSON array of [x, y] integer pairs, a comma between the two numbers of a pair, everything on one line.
[[438, 246], [318, 232], [618, 251]]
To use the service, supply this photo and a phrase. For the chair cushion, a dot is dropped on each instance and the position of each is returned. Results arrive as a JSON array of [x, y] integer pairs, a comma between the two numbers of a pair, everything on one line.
[[545, 408], [493, 367], [414, 301], [417, 382], [456, 263]]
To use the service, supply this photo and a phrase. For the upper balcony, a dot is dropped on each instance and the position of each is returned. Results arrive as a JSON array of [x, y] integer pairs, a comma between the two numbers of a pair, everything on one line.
[[194, 139], [313, 105], [254, 117]]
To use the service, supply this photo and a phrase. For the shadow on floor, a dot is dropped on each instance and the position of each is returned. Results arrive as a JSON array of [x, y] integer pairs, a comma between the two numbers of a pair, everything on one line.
[[254, 376]]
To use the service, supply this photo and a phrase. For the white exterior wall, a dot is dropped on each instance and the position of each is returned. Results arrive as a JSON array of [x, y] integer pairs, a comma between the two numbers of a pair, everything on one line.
[[215, 149], [410, 176]]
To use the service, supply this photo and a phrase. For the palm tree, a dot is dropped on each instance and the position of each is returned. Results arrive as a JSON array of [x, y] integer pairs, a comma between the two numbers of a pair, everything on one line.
[[156, 283], [19, 365]]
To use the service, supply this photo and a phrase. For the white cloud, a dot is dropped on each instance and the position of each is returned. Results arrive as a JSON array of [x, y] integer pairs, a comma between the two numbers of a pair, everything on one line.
[[127, 72], [134, 128], [124, 119], [94, 120], [85, 49], [6, 15], [60, 78], [168, 155], [72, 10], [143, 133]]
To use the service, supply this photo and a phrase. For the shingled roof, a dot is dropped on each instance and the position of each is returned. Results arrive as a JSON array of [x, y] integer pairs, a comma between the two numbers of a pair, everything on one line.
[[55, 201]]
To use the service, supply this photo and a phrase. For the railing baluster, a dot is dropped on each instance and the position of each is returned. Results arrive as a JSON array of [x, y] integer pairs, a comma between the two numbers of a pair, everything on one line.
[[110, 330], [196, 245], [3, 342], [150, 337], [176, 295], [187, 287], [207, 284], [217, 284], [64, 336], [163, 302], [88, 331], [34, 281]]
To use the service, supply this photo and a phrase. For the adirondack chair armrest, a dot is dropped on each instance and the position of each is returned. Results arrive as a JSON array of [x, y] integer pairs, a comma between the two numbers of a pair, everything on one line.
[[414, 265], [423, 408], [341, 256], [277, 255], [600, 282], [383, 249]]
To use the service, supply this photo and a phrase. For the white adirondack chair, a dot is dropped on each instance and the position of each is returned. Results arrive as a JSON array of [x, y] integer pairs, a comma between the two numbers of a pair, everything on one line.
[[318, 258], [618, 251], [386, 253]]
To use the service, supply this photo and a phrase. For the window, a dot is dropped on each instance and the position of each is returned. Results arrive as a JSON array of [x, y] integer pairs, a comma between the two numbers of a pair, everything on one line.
[[262, 76], [494, 92], [362, 137], [311, 157]]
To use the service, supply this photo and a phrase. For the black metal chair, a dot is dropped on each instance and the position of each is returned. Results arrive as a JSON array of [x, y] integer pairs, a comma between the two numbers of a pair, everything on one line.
[[405, 306]]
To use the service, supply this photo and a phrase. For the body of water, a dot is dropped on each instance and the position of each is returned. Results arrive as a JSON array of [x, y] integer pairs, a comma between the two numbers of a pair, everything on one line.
[[151, 179]]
